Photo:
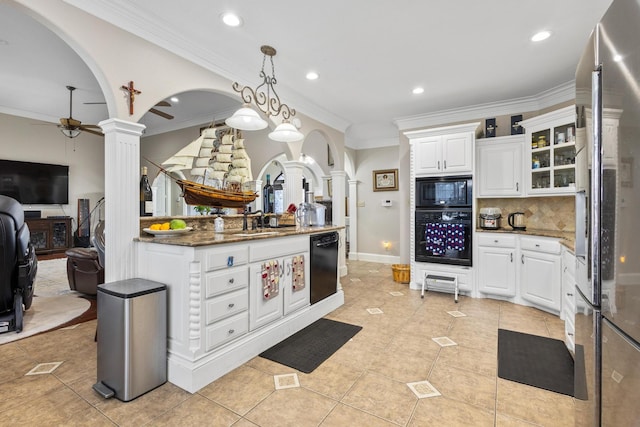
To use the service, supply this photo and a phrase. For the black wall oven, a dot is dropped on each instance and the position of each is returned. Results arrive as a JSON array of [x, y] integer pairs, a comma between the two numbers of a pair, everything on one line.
[[443, 220]]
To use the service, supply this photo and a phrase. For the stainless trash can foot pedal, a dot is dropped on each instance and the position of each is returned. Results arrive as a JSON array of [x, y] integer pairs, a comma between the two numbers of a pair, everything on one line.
[[103, 390]]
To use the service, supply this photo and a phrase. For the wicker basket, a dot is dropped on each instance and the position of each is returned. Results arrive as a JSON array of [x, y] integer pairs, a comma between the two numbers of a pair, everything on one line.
[[401, 273]]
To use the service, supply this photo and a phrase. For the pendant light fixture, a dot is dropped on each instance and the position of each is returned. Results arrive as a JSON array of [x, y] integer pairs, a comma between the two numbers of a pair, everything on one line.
[[266, 99]]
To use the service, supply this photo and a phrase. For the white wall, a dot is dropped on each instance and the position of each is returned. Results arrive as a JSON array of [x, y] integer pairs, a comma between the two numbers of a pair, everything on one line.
[[35, 141], [376, 223]]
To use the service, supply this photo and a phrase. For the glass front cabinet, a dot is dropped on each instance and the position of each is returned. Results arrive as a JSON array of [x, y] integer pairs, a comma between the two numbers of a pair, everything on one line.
[[551, 146]]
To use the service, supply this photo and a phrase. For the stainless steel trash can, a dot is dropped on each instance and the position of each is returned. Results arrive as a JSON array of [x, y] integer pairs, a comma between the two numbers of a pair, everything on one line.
[[132, 338]]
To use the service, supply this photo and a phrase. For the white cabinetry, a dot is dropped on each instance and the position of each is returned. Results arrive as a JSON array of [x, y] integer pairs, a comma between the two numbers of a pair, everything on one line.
[[568, 297], [540, 272], [499, 166], [522, 269], [443, 151], [551, 143], [497, 261], [265, 257]]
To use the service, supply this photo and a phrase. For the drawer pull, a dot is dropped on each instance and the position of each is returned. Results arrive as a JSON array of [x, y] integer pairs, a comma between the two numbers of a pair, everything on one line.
[[570, 334], [231, 281], [517, 186], [522, 259], [231, 305], [537, 245], [569, 294], [511, 256], [231, 331], [495, 241]]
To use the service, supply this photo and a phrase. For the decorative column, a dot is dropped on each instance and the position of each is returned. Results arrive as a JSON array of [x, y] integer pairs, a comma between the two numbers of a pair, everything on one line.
[[122, 195], [325, 187], [293, 192], [353, 218], [338, 183]]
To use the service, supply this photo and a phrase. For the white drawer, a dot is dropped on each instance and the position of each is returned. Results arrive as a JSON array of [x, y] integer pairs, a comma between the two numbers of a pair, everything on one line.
[[225, 256], [227, 330], [496, 240], [274, 248], [226, 305], [549, 246], [227, 280]]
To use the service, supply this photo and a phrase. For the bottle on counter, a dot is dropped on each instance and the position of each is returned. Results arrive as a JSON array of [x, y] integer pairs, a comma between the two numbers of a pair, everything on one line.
[[278, 197], [267, 196], [146, 196], [218, 224]]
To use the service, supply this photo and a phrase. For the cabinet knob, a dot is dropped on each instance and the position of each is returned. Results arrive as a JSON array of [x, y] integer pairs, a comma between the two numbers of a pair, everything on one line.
[[569, 294], [231, 331], [570, 334], [231, 305], [495, 241], [231, 281], [537, 245]]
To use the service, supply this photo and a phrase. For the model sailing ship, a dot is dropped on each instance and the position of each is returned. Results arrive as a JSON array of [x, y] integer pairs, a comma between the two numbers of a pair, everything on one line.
[[220, 171]]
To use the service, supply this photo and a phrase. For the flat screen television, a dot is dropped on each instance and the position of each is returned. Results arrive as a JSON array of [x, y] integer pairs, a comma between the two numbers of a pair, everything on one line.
[[34, 183]]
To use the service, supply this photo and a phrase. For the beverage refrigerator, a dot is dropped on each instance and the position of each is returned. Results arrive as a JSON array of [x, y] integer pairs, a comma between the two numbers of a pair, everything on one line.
[[607, 351]]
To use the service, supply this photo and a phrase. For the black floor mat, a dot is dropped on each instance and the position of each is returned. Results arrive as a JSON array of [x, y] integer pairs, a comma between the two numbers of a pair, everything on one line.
[[307, 349], [536, 361]]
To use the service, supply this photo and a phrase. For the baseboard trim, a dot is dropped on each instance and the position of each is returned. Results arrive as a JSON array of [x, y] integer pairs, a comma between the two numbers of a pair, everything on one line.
[[382, 259]]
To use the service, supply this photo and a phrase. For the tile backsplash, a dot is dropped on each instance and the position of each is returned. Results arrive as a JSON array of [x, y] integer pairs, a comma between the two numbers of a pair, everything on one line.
[[544, 213]]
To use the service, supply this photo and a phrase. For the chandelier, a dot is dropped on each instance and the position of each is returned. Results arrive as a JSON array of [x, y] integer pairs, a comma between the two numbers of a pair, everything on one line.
[[266, 99]]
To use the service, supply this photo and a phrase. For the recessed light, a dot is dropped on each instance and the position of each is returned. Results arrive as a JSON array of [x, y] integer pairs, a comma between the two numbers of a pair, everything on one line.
[[175, 99], [418, 90], [231, 19], [617, 57], [312, 75], [542, 35]]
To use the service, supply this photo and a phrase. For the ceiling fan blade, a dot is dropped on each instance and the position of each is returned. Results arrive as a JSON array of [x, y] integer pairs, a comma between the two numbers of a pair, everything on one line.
[[161, 113], [91, 126], [69, 122], [163, 104], [84, 129]]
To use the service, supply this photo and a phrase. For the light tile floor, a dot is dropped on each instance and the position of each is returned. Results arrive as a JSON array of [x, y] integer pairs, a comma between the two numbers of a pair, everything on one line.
[[365, 383]]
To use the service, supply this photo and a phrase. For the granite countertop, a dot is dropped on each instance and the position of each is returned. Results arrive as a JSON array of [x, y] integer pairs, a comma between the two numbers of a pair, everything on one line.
[[208, 237], [567, 238]]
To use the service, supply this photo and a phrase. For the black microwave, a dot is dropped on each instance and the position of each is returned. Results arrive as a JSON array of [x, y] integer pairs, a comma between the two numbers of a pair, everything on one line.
[[445, 191]]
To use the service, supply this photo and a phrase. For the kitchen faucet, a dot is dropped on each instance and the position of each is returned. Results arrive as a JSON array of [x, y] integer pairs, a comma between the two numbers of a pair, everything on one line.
[[253, 223]]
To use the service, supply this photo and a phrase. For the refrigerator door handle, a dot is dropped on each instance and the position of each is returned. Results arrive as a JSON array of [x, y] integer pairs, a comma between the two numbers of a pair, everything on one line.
[[596, 186]]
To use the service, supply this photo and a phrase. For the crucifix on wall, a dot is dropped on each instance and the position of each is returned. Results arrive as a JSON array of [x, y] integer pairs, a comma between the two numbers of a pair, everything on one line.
[[132, 95]]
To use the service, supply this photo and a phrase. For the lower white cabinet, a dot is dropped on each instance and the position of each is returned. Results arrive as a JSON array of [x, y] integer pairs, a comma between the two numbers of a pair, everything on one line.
[[540, 279], [278, 262], [497, 261], [568, 313], [523, 269]]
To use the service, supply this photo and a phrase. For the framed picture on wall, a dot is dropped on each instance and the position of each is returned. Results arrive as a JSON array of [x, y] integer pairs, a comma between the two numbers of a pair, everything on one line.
[[385, 180]]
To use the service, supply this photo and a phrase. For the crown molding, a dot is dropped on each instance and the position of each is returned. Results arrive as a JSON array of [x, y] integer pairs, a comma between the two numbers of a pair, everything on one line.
[[548, 98], [126, 16]]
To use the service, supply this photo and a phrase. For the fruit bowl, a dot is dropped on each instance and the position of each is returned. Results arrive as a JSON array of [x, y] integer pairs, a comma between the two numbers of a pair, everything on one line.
[[167, 232]]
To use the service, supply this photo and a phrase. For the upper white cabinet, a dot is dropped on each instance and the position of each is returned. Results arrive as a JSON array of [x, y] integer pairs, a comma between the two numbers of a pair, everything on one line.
[[499, 166], [443, 151], [551, 151]]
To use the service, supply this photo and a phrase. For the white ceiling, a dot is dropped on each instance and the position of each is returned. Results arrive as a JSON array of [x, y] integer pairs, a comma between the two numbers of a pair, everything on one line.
[[369, 54]]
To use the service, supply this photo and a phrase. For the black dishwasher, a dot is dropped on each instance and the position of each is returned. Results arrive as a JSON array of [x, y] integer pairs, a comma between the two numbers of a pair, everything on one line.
[[323, 266]]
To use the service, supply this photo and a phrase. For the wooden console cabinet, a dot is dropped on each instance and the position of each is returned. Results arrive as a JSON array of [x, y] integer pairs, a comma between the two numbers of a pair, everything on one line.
[[50, 235]]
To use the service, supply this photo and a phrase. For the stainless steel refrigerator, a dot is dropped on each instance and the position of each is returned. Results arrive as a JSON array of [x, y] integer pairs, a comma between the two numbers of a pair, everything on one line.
[[607, 323]]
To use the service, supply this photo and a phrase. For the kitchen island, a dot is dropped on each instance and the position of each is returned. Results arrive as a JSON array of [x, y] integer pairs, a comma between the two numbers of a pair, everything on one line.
[[231, 295]]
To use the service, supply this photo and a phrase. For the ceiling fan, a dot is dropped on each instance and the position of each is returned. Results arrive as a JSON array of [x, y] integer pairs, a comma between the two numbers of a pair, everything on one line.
[[151, 110], [72, 127]]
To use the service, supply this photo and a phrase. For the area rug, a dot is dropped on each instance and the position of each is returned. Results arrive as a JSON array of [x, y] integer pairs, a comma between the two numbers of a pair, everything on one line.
[[536, 361], [54, 304], [307, 349]]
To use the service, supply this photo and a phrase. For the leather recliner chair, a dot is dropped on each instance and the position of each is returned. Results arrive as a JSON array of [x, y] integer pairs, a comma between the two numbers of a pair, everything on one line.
[[18, 265], [85, 266]]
